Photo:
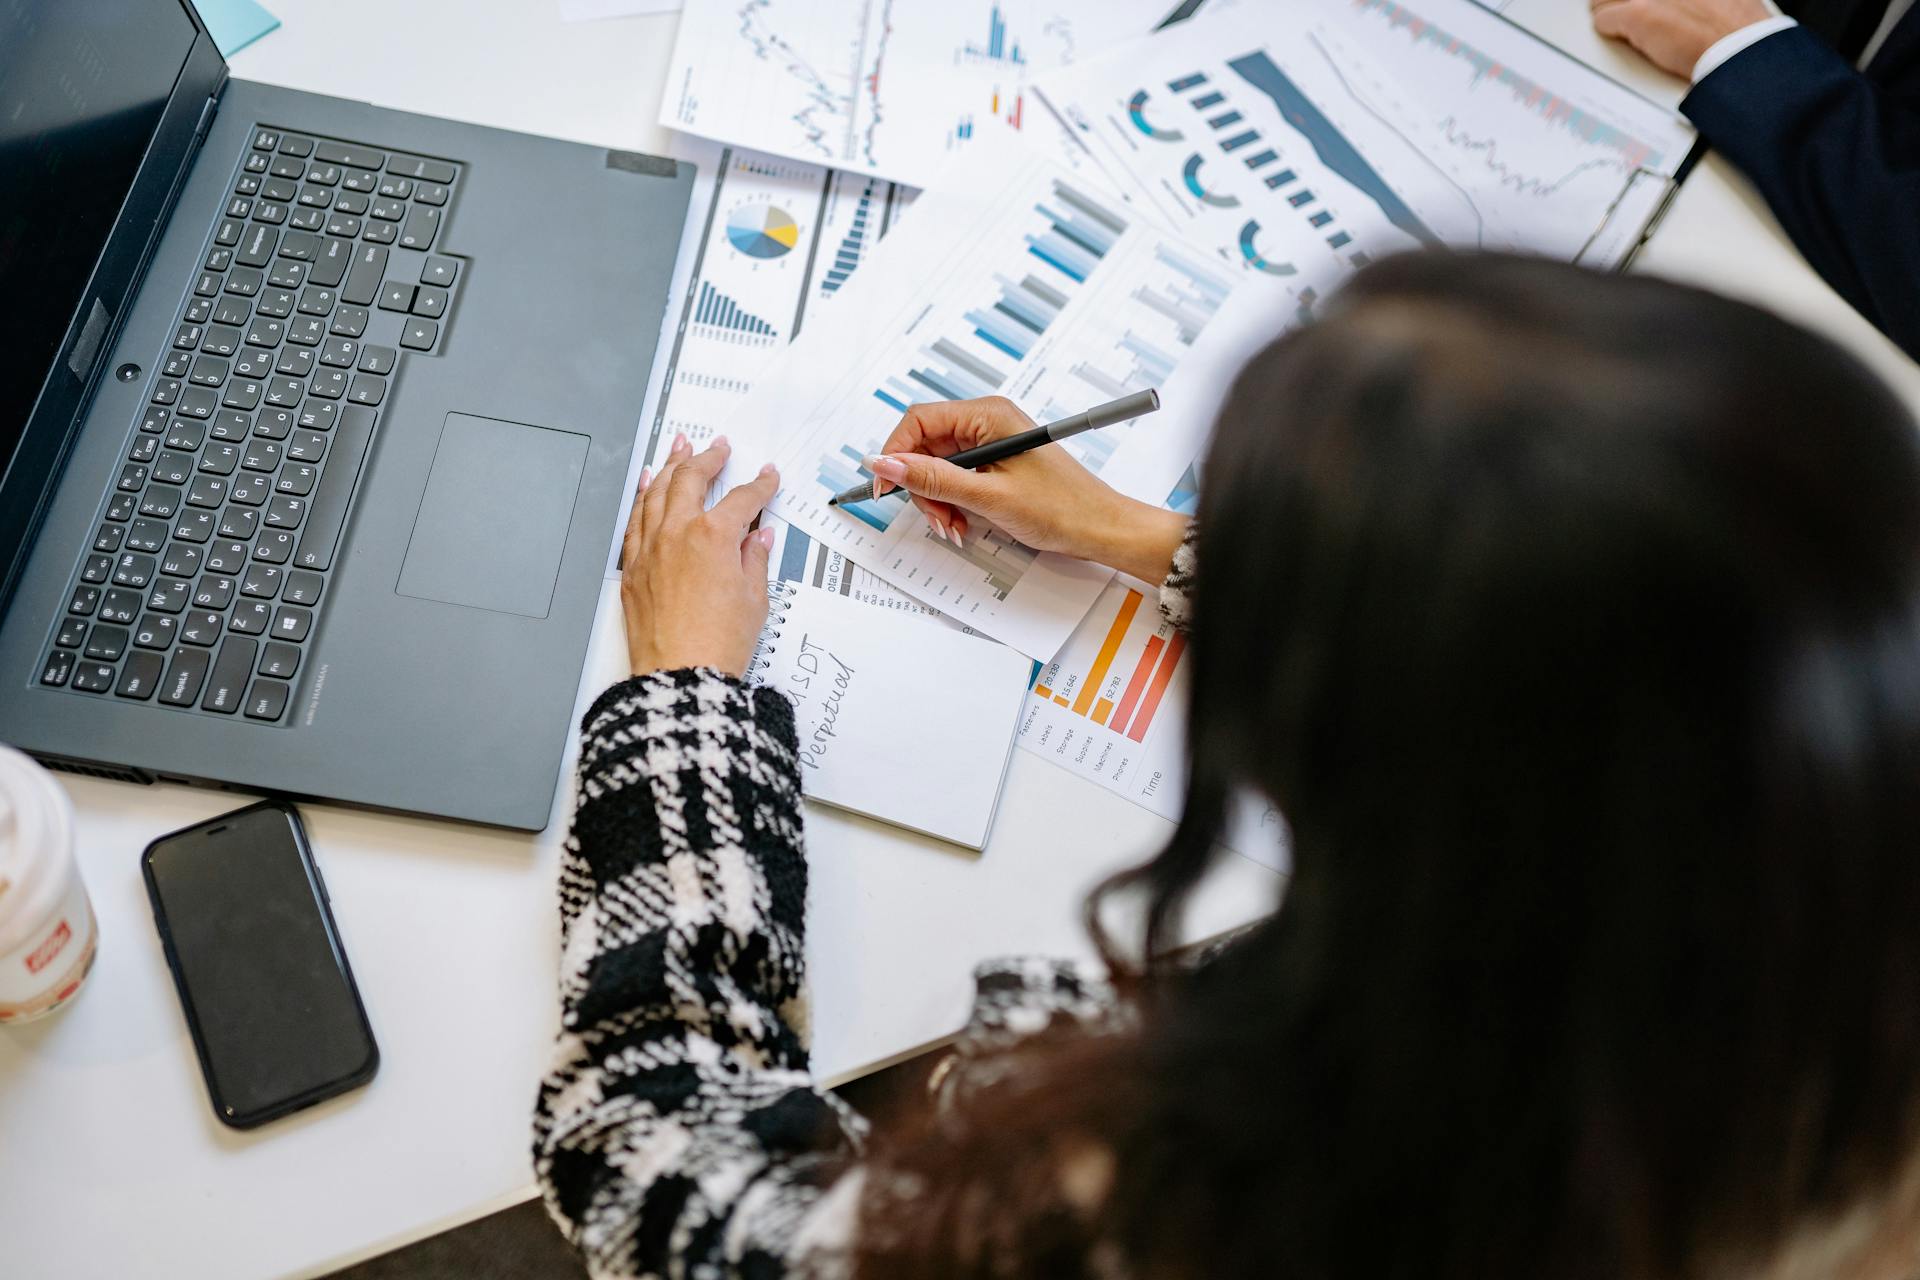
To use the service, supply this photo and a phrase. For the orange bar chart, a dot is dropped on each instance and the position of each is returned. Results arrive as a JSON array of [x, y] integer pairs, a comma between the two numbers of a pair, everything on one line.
[[1137, 685], [1108, 647], [1151, 703]]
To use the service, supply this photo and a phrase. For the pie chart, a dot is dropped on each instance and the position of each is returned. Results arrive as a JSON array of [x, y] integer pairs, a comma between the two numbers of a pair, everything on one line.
[[762, 231]]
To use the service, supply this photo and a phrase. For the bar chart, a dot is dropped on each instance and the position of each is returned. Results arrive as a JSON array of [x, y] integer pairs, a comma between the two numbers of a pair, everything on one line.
[[1038, 288], [1110, 705], [718, 311]]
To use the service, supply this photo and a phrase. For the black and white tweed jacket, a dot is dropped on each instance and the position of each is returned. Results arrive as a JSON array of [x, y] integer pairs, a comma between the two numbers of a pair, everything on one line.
[[679, 1132]]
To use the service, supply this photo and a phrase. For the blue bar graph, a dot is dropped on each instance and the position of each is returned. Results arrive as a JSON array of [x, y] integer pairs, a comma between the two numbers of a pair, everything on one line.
[[1240, 140], [846, 468], [852, 245], [1281, 179], [1207, 101], [1185, 83], [717, 309], [1226, 120], [997, 47], [793, 555]]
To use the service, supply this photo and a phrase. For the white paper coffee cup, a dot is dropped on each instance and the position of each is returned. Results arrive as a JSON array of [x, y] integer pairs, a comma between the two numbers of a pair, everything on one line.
[[47, 932]]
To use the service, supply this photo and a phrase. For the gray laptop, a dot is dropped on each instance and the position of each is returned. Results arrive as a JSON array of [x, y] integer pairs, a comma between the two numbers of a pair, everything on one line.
[[315, 422]]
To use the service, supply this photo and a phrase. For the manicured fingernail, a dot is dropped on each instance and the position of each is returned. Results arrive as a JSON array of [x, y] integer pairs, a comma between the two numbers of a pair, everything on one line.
[[933, 523], [955, 535], [646, 478], [767, 469], [887, 468], [764, 537], [720, 442], [679, 441]]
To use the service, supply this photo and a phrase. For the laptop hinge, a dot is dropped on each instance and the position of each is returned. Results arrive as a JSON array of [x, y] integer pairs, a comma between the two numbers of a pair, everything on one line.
[[206, 117]]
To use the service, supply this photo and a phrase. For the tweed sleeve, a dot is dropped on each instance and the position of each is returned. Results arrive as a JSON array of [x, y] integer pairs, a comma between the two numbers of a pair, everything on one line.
[[678, 1131], [1176, 593]]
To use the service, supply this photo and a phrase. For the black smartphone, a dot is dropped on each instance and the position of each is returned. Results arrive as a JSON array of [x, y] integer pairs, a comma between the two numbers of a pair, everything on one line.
[[264, 982]]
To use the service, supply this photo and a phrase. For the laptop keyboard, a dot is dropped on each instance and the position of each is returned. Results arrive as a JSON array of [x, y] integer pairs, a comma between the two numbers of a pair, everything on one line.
[[207, 573]]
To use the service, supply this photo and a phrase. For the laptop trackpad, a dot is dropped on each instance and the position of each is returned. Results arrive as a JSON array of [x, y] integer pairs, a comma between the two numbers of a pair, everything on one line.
[[493, 521]]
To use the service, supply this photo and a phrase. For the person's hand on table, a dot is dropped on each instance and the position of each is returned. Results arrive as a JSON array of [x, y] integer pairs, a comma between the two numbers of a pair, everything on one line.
[[1043, 497], [693, 582], [1673, 34]]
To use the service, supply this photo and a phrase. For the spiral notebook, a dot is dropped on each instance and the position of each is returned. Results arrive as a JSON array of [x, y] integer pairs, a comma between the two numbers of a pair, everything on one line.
[[900, 716]]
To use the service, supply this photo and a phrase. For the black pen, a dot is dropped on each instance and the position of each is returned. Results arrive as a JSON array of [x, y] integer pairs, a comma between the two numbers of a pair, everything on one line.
[[1137, 405]]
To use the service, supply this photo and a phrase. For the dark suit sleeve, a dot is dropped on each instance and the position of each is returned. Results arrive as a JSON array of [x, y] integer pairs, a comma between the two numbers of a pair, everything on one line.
[[1836, 157]]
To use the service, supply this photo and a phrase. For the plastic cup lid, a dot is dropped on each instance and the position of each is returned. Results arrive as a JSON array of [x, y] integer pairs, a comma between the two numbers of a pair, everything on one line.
[[36, 845]]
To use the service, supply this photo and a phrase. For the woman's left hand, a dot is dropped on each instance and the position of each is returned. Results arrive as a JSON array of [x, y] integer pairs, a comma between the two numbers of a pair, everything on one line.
[[693, 582]]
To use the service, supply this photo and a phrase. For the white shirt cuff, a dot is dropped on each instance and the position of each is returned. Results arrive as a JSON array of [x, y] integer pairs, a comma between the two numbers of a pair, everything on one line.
[[1745, 38]]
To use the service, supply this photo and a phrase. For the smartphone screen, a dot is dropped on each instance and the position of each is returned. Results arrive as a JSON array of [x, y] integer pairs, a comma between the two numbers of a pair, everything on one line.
[[263, 980]]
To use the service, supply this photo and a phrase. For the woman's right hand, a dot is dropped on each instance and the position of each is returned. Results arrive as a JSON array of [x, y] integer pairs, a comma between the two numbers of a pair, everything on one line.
[[1043, 497]]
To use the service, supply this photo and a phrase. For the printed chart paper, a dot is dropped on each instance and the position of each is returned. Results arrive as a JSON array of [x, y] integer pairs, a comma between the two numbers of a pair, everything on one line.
[[877, 86], [1301, 141], [1019, 282]]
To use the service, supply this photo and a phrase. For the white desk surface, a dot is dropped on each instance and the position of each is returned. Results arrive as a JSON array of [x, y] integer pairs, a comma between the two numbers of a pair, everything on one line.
[[111, 1163]]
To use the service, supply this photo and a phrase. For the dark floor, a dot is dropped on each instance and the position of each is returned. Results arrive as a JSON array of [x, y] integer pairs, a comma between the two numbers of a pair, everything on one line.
[[522, 1243]]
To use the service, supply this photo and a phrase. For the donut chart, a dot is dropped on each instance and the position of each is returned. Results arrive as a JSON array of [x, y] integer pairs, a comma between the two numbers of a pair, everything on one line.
[[1192, 176], [1137, 112], [1248, 234], [762, 231]]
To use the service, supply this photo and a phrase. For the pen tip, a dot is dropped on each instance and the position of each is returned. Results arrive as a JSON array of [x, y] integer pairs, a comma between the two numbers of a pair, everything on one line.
[[833, 501]]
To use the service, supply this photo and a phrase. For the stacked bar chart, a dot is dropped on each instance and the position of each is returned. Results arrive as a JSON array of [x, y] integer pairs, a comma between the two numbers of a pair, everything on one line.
[[853, 245]]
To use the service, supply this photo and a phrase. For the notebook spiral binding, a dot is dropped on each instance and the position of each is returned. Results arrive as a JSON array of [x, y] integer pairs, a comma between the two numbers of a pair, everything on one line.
[[779, 605]]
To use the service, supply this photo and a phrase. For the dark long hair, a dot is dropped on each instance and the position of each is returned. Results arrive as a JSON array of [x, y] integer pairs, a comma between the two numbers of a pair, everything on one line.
[[1571, 624]]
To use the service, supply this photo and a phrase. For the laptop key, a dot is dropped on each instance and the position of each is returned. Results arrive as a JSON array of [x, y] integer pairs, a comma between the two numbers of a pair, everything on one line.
[[94, 677], [107, 538], [73, 631], [273, 424], [419, 335], [146, 535], [96, 569], [193, 526], [139, 677], [202, 628], [231, 670], [226, 557], [172, 468], [275, 303], [244, 281], [362, 181], [160, 501], [312, 197], [349, 322], [84, 601], [307, 331], [276, 546], [207, 285], [256, 249], [218, 461], [207, 490], [290, 623], [344, 225], [251, 617], [376, 359], [257, 163], [325, 175], [156, 631], [307, 220], [330, 262], [197, 402], [56, 669], [368, 389], [250, 489], [144, 449], [318, 300], [182, 560], [287, 273], [265, 140], [343, 153], [178, 365], [302, 587], [266, 700], [439, 271], [261, 581], [229, 425], [433, 193], [119, 605], [279, 660], [169, 595], [184, 677], [396, 295], [199, 311], [133, 569], [287, 168], [296, 479], [121, 508], [294, 362], [354, 202], [396, 188], [423, 169], [252, 364], [208, 371], [327, 513], [422, 222], [222, 339], [106, 643], [381, 232], [306, 446], [430, 302], [328, 384], [219, 259], [293, 144], [166, 391], [261, 455], [248, 185], [239, 522], [271, 213], [339, 352], [213, 592], [285, 512]]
